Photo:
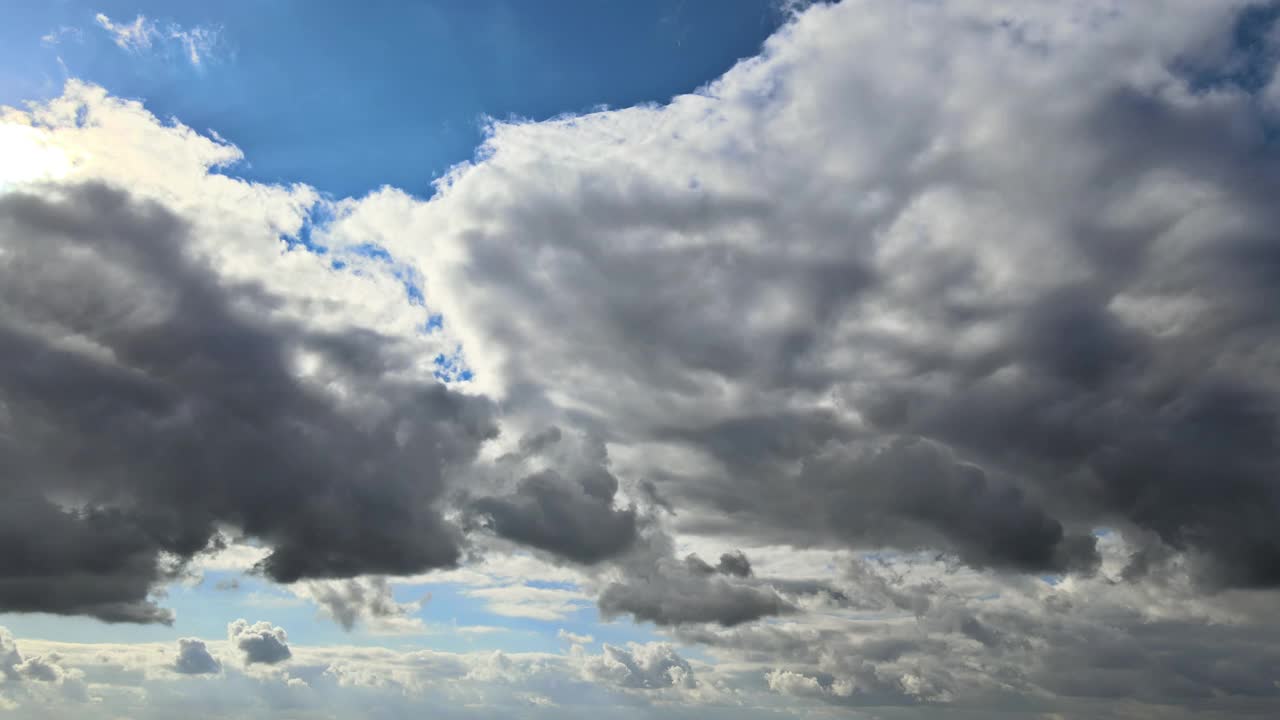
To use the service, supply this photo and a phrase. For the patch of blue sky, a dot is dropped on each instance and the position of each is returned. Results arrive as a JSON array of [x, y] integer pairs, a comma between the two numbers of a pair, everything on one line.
[[412, 282], [452, 368], [409, 277], [450, 605], [311, 96], [1253, 56], [370, 250], [304, 240]]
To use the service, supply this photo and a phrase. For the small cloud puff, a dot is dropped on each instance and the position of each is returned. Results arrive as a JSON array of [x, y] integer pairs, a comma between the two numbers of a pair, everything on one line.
[[260, 642]]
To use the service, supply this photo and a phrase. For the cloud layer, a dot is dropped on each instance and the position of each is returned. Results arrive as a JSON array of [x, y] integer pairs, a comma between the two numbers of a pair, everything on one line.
[[971, 301]]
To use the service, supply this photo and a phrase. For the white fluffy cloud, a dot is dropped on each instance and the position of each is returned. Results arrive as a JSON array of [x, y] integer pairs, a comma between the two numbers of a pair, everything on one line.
[[260, 642]]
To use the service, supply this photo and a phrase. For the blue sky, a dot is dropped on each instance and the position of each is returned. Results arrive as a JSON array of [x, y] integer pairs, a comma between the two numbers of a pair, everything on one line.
[[352, 96]]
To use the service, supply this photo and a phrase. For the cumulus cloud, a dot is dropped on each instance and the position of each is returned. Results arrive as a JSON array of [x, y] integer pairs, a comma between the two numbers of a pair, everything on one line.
[[650, 666], [20, 677], [194, 658], [260, 642], [881, 322]]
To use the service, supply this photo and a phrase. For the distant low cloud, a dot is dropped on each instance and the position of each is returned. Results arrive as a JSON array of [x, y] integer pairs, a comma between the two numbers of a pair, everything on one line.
[[194, 658], [21, 677], [641, 667]]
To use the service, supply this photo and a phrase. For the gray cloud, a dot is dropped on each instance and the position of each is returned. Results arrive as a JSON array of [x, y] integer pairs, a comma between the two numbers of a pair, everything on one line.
[[572, 518], [260, 642], [906, 331], [156, 401], [734, 563], [194, 658], [923, 277], [349, 601], [666, 592], [570, 515]]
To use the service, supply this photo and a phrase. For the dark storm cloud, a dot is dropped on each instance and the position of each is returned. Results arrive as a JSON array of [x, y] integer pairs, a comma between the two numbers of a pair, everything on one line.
[[574, 519], [194, 658], [667, 592], [145, 401], [911, 493], [734, 563], [567, 509]]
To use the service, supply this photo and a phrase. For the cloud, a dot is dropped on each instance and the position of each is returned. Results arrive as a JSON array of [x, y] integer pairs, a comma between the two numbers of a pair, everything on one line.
[[787, 682], [650, 666], [135, 36], [946, 287], [667, 592], [260, 642], [63, 32], [734, 563], [573, 519], [565, 506], [175, 378], [574, 638], [196, 44], [194, 658], [367, 600], [20, 677], [529, 602], [839, 300]]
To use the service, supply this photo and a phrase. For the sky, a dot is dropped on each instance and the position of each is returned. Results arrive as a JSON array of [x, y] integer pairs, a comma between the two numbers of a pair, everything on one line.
[[349, 97], [876, 359]]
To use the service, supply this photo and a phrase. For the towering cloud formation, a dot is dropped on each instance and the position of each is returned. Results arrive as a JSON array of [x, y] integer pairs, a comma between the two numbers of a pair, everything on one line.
[[923, 275]]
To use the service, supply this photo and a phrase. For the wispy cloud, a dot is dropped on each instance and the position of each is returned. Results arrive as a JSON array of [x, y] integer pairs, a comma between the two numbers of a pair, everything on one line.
[[530, 602], [61, 34], [196, 44]]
